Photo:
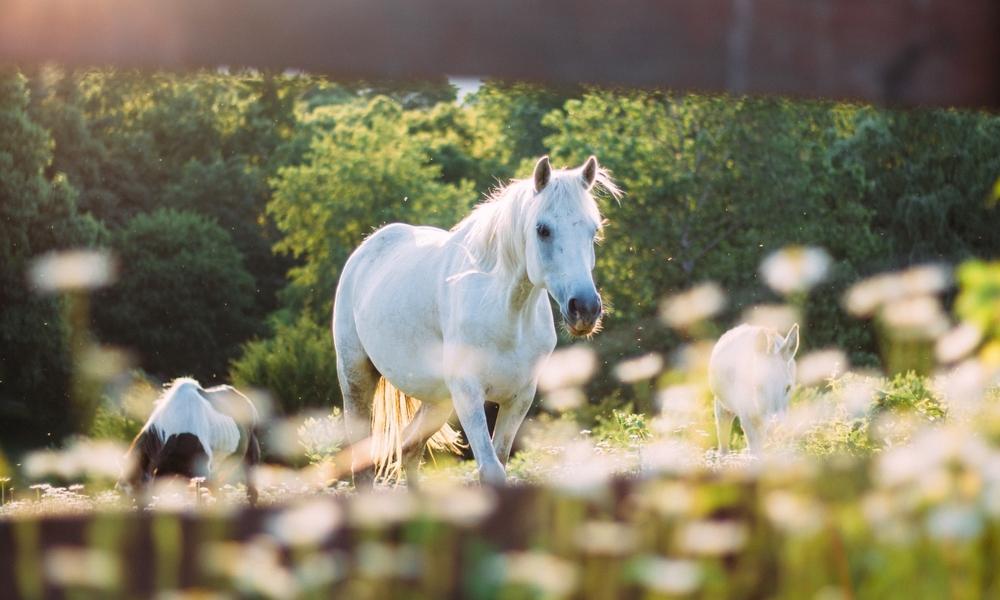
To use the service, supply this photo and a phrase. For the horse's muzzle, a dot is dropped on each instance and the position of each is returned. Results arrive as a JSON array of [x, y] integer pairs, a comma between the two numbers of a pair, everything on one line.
[[583, 314]]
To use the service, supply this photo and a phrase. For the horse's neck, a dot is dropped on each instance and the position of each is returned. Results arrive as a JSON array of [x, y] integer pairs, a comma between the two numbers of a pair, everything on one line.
[[520, 298]]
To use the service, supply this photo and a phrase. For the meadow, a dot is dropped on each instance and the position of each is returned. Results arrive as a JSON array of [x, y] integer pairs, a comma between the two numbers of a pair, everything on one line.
[[196, 225]]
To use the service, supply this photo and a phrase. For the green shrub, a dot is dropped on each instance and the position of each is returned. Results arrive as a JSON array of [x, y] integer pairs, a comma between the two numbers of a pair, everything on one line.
[[183, 301], [909, 391], [622, 428], [296, 366]]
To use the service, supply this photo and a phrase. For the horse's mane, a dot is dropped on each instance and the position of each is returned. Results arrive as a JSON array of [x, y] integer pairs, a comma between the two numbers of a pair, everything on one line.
[[495, 229]]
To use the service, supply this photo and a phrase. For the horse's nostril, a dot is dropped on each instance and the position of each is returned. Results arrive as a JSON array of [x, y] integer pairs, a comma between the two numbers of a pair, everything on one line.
[[573, 308]]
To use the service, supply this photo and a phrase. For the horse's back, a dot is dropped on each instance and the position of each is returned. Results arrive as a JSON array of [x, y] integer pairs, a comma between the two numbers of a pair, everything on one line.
[[383, 260], [185, 409], [387, 304]]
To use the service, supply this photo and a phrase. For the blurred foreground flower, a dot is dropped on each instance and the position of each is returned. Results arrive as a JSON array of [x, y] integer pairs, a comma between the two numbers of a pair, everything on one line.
[[72, 270], [864, 298], [795, 269], [553, 577], [689, 308], [917, 318], [958, 343], [820, 366], [99, 459], [712, 538], [568, 367], [667, 576], [82, 568], [774, 316], [307, 523], [639, 368]]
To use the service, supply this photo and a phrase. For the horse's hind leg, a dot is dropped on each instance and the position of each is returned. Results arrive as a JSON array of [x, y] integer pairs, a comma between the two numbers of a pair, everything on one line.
[[358, 380], [723, 426], [428, 419]]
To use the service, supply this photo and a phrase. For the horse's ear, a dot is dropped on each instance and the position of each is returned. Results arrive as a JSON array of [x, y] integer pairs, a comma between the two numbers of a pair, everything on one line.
[[590, 172], [543, 172], [791, 344]]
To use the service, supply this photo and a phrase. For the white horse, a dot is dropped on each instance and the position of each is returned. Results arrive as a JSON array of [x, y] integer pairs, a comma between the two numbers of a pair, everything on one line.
[[194, 432], [751, 372], [459, 318]]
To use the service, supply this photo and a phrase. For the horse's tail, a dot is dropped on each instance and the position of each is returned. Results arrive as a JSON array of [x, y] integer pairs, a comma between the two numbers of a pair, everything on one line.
[[392, 411]]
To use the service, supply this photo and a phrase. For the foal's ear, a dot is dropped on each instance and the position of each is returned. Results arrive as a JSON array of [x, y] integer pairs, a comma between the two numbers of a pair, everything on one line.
[[543, 172], [590, 172], [791, 344]]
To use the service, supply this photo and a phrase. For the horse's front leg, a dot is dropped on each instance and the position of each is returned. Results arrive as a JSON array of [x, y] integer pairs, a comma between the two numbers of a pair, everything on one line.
[[468, 398], [509, 421]]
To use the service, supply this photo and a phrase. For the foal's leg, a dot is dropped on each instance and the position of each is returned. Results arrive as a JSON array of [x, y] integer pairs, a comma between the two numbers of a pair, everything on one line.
[[469, 398], [250, 461], [358, 379], [426, 422], [753, 427], [509, 421], [723, 426]]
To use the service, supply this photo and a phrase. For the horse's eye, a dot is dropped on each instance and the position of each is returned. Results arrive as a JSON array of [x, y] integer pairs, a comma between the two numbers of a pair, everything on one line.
[[788, 388], [543, 230]]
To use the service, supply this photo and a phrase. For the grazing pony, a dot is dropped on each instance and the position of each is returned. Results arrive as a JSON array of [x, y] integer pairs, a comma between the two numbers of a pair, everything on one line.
[[194, 432], [751, 372], [457, 318]]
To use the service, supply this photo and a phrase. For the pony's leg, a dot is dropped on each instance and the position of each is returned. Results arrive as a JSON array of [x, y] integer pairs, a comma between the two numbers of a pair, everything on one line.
[[723, 426], [753, 428], [468, 398], [509, 421], [250, 461], [428, 419], [358, 380]]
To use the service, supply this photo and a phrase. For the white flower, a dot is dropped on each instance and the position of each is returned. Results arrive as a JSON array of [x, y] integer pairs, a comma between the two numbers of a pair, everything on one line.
[[780, 317], [308, 523], [958, 342], [693, 306], [820, 366], [672, 577], [606, 538], [72, 270], [639, 368], [793, 513], [795, 269], [712, 538], [552, 576], [567, 367], [83, 568], [920, 317]]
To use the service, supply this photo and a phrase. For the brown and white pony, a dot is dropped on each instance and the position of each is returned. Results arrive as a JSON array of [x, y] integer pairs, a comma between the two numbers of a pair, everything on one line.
[[195, 432]]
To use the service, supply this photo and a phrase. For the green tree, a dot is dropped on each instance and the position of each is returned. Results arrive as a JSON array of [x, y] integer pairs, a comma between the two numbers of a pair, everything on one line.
[[37, 214], [363, 170], [295, 366], [183, 301], [714, 184], [927, 176]]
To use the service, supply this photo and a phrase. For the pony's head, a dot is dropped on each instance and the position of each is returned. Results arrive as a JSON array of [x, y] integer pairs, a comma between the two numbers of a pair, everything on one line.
[[774, 367], [562, 227]]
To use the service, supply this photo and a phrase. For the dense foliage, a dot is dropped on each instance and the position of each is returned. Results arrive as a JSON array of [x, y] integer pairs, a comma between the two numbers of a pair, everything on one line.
[[183, 300], [271, 180]]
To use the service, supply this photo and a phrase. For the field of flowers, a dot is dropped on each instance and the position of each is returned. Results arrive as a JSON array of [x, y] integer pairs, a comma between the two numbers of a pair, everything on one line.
[[871, 486]]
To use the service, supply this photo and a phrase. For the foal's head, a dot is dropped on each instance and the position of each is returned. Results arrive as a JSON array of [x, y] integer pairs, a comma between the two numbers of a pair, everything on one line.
[[565, 224]]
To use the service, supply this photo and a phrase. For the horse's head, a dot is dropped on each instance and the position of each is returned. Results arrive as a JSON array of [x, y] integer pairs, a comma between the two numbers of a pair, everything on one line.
[[560, 240], [774, 367]]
